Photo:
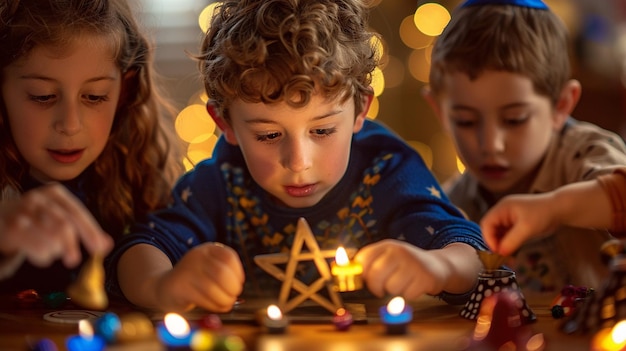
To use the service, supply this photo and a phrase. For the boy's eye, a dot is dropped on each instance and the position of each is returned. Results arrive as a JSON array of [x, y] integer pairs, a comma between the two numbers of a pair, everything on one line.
[[464, 123], [516, 121], [267, 136], [324, 131]]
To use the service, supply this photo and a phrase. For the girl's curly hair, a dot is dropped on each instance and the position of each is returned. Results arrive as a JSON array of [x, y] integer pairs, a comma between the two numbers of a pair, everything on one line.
[[286, 50], [136, 170]]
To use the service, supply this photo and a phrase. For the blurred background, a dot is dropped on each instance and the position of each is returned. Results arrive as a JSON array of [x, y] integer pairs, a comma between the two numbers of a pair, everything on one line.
[[408, 28]]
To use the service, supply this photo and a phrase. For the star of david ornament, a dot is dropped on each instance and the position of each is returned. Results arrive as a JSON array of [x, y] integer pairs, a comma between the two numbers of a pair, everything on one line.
[[270, 264]]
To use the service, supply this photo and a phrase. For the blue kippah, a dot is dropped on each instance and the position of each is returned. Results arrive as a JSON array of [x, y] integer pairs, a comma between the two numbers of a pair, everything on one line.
[[535, 4]]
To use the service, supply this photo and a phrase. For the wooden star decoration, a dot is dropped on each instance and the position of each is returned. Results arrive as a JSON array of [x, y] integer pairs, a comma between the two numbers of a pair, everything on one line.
[[269, 263]]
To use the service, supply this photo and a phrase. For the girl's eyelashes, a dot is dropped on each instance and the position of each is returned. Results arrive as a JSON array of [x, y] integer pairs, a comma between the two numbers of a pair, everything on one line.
[[42, 99], [50, 98], [94, 99]]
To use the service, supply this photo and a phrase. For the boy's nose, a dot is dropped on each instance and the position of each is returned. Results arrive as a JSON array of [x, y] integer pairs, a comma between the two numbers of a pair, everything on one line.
[[297, 155], [493, 140], [68, 121]]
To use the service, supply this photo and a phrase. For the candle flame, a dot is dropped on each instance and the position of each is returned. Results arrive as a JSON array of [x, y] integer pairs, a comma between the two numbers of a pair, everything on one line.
[[618, 334], [341, 311], [85, 329], [274, 313], [176, 325], [341, 257], [395, 306]]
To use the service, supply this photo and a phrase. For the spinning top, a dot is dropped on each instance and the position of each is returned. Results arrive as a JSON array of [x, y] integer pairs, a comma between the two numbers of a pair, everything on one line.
[[490, 260], [88, 289], [493, 282]]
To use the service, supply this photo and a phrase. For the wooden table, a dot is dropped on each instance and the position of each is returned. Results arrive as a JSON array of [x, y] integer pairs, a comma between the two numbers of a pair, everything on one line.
[[436, 326]]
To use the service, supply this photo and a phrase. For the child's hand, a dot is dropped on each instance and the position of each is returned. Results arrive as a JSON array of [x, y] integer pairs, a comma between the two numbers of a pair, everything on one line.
[[48, 223], [516, 219], [210, 276], [398, 268]]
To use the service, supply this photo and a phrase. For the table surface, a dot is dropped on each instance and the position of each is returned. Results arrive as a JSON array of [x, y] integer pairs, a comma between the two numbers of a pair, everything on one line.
[[435, 326]]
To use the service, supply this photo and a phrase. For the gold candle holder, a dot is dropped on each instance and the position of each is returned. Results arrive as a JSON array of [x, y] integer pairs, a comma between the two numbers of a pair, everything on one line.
[[346, 274]]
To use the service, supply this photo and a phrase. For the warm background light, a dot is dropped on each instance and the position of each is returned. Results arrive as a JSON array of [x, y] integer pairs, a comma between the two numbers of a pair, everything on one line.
[[408, 30], [431, 18]]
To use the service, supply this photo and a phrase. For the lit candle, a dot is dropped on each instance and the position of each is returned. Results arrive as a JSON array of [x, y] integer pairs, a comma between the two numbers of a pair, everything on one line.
[[85, 340], [346, 274], [342, 319], [610, 339], [396, 316], [174, 331], [274, 320]]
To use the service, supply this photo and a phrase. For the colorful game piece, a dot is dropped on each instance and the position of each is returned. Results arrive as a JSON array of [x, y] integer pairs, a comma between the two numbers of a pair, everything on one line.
[[54, 299], [88, 289], [27, 298], [210, 322], [342, 319], [107, 327], [44, 344]]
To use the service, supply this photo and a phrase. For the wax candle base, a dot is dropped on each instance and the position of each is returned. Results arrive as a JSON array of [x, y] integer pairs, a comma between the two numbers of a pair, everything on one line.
[[276, 330], [397, 329]]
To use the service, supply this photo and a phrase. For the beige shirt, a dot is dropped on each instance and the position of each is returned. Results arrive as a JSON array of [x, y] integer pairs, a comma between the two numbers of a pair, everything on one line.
[[581, 151]]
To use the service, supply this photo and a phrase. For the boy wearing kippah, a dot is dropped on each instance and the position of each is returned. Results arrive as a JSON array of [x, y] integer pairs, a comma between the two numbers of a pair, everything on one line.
[[500, 84]]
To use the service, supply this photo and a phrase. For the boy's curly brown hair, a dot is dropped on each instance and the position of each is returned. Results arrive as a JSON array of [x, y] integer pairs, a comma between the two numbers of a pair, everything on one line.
[[274, 51], [527, 41]]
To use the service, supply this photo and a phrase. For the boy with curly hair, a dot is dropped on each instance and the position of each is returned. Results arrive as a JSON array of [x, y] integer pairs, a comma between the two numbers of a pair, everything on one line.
[[289, 85]]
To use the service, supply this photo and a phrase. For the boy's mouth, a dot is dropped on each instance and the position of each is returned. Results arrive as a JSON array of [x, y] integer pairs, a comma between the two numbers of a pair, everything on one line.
[[494, 171], [300, 190]]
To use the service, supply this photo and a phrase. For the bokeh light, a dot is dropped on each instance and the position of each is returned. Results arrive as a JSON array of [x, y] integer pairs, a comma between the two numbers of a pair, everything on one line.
[[204, 20], [372, 112], [460, 165], [431, 18], [193, 124], [197, 152], [419, 66], [411, 36], [378, 81]]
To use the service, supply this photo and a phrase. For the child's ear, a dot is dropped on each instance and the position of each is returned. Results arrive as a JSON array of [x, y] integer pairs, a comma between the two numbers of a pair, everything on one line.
[[432, 101], [570, 94], [360, 118], [221, 123]]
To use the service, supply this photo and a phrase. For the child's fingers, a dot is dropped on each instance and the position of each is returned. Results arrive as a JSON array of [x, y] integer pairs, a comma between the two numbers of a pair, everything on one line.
[[512, 241], [87, 229], [397, 283], [226, 256]]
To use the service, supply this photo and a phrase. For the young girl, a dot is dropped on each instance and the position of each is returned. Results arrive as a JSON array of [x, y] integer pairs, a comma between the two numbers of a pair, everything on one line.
[[84, 150]]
